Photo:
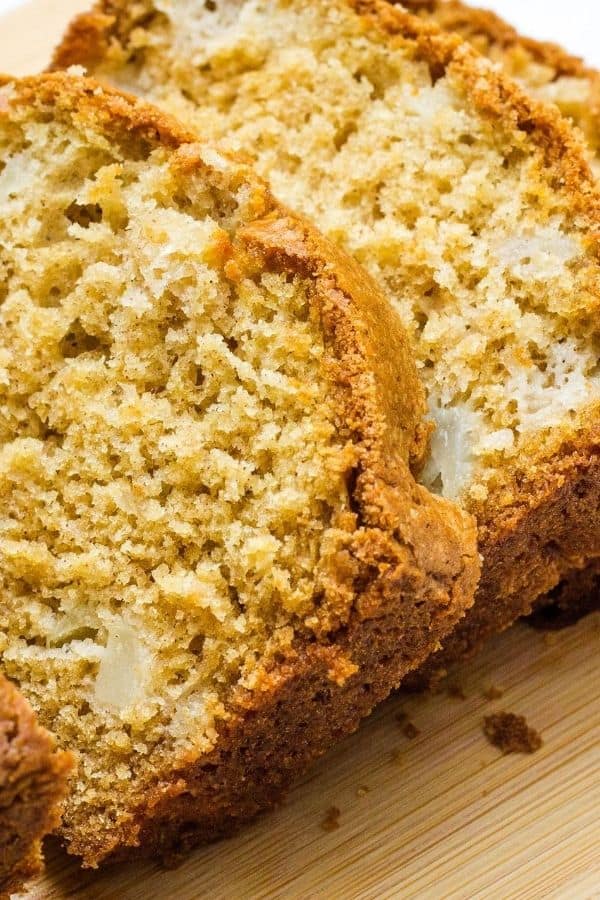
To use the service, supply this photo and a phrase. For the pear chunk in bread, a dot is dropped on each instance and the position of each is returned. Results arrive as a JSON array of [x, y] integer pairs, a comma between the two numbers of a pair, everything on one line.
[[471, 203], [214, 557], [33, 784]]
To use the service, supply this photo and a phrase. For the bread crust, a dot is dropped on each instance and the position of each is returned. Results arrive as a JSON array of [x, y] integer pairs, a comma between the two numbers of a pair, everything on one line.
[[516, 53], [411, 565], [577, 595], [556, 532], [33, 784], [485, 29], [522, 526]]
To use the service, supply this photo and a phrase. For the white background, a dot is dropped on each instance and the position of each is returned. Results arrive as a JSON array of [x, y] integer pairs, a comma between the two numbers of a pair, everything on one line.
[[575, 24]]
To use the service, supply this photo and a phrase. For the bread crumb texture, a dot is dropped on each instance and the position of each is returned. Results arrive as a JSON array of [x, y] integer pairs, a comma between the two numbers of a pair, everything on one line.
[[171, 479], [457, 212]]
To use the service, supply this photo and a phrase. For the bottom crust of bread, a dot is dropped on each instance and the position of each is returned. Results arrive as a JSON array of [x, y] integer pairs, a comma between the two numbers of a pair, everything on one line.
[[33, 782], [274, 733], [577, 595]]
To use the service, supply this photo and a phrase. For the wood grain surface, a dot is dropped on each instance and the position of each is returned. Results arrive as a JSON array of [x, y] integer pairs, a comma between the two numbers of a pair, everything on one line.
[[441, 815]]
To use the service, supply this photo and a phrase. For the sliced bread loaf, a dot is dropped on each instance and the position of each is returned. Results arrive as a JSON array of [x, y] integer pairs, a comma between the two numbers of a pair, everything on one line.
[[33, 784], [470, 202], [214, 558]]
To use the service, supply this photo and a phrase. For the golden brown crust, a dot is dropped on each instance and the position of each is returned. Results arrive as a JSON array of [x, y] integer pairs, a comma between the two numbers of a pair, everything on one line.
[[411, 566], [86, 38], [495, 38], [33, 782], [484, 29]]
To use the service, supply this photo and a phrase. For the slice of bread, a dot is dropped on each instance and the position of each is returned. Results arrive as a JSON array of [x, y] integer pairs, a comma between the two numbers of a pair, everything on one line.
[[33, 784], [214, 557], [472, 204], [550, 73]]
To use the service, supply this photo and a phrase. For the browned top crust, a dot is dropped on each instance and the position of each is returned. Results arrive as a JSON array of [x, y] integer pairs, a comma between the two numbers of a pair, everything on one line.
[[497, 39], [410, 568], [484, 28], [33, 783]]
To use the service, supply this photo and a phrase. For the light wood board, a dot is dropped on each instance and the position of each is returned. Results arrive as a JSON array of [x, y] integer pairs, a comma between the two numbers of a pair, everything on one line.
[[443, 815]]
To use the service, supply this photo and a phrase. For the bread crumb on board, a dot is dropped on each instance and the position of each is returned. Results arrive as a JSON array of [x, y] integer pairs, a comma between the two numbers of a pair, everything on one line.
[[456, 691], [331, 822], [511, 733], [409, 729], [493, 693]]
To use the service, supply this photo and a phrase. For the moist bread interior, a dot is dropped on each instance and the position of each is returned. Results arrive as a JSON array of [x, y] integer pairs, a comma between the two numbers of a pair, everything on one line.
[[171, 480], [466, 229]]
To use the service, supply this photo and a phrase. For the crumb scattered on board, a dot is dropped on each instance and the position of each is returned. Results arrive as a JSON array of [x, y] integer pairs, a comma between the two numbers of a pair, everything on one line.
[[331, 822], [456, 691], [362, 791], [511, 733], [409, 729], [397, 757], [493, 693], [551, 638]]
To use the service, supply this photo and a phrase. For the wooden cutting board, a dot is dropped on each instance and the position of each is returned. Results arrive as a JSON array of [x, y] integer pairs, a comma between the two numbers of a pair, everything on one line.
[[441, 815]]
